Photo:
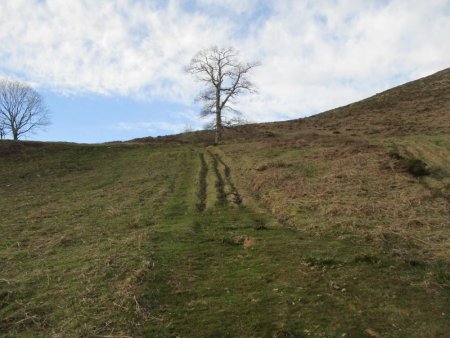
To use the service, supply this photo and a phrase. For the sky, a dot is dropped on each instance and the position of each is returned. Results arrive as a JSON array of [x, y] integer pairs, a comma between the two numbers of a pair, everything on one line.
[[115, 70]]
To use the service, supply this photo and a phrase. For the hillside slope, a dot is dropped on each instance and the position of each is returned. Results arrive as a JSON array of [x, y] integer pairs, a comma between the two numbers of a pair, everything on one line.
[[162, 240], [420, 106], [334, 225]]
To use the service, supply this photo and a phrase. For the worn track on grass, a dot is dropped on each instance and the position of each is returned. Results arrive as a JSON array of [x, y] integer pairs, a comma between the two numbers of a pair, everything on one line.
[[225, 190], [220, 183], [237, 199], [202, 185]]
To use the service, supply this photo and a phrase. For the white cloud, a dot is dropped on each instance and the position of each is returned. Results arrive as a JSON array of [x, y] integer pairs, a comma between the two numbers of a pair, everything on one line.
[[315, 54], [151, 127], [114, 47]]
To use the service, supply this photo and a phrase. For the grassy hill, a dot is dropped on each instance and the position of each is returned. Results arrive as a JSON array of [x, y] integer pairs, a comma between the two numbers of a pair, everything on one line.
[[334, 225]]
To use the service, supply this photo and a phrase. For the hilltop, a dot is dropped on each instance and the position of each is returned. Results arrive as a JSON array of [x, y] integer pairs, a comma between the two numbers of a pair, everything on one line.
[[417, 107], [420, 106], [332, 225]]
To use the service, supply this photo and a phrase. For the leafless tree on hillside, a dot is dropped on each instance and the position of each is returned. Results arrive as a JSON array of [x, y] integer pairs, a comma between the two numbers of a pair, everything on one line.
[[224, 78], [2, 130], [21, 108]]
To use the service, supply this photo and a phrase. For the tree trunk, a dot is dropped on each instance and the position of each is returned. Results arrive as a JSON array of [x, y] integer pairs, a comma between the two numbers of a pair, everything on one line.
[[218, 137], [15, 135]]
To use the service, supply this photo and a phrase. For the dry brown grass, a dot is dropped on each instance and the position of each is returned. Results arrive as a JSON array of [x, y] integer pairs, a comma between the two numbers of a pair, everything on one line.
[[353, 188]]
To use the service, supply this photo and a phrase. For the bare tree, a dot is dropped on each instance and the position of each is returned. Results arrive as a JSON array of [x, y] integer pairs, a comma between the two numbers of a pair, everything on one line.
[[21, 108], [224, 78], [2, 130]]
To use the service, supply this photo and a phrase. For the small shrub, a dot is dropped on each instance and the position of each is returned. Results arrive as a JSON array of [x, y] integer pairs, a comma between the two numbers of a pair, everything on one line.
[[313, 261], [416, 167], [261, 167], [260, 226], [367, 258], [235, 241], [415, 262]]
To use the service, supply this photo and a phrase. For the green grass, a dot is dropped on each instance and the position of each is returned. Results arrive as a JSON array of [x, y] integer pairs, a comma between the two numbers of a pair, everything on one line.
[[108, 240], [74, 223], [286, 284]]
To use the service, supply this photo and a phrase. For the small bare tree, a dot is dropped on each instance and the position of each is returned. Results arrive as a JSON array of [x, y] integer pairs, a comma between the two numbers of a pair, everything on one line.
[[224, 78], [2, 130], [21, 108]]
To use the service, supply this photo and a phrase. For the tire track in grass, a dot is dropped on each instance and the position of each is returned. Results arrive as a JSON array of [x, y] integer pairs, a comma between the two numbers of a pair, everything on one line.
[[202, 185], [237, 199], [220, 183]]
